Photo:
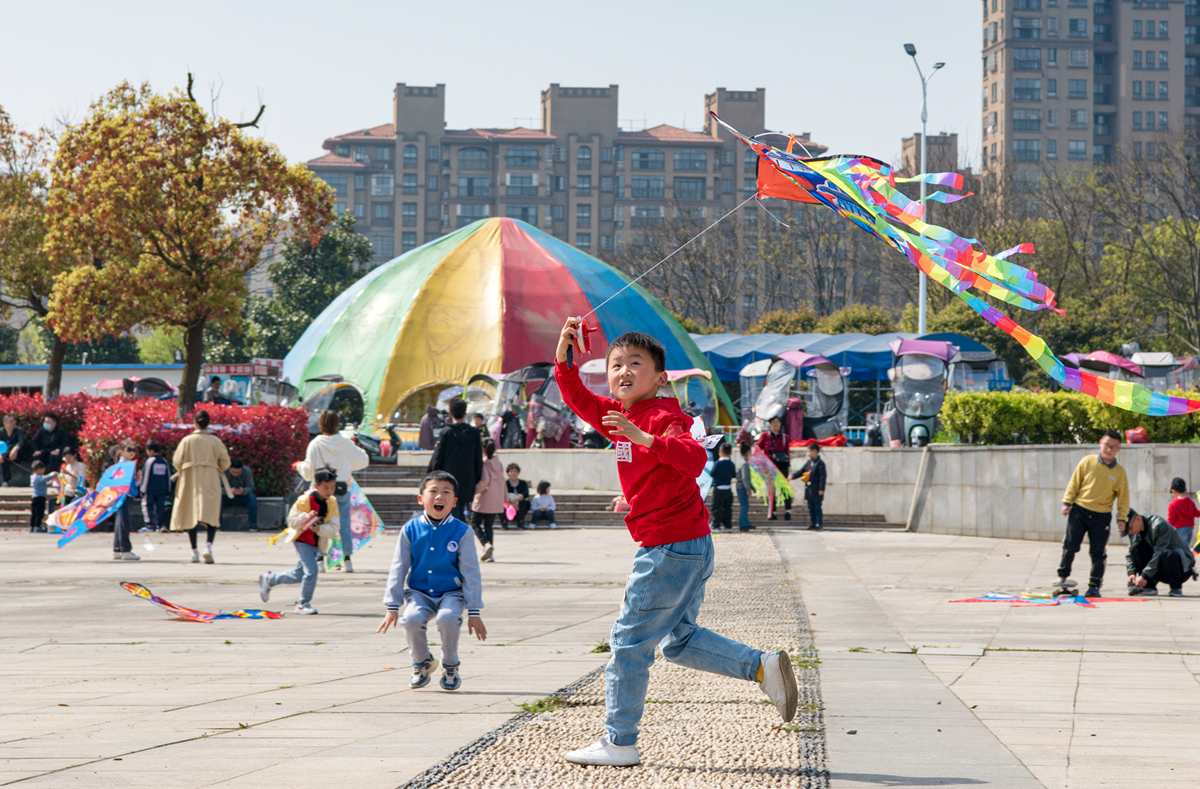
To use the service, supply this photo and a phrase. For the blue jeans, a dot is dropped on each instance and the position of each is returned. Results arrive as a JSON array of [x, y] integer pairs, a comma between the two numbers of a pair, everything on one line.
[[1186, 533], [344, 529], [743, 509], [662, 601], [304, 573], [815, 516], [250, 502]]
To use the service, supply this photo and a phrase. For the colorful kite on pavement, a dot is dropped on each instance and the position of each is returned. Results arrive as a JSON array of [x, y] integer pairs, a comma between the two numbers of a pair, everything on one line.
[[1026, 600], [863, 191], [137, 590], [100, 503], [364, 524]]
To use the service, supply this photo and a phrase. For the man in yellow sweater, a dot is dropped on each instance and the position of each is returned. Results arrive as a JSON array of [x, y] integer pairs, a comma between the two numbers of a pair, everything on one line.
[[1097, 483]]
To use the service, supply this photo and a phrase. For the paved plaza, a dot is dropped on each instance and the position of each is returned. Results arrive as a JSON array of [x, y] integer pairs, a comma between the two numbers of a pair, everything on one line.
[[98, 688]]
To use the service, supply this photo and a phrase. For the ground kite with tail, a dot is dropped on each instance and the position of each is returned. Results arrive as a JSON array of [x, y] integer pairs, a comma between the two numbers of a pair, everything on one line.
[[137, 590], [863, 191]]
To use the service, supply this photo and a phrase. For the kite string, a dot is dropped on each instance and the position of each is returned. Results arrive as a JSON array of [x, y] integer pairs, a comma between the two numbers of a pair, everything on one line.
[[668, 257]]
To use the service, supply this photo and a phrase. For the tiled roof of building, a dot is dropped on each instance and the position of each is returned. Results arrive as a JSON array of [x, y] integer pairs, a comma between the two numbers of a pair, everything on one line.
[[333, 160], [374, 133], [488, 135], [667, 133]]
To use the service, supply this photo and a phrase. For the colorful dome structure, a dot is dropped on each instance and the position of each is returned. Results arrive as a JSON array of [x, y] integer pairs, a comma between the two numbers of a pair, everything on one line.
[[490, 298]]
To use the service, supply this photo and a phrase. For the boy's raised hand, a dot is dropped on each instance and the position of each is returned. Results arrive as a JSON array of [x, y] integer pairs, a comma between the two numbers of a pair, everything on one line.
[[566, 339], [475, 625], [619, 424], [389, 621]]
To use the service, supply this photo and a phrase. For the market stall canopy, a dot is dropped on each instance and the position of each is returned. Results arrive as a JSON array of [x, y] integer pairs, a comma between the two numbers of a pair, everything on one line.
[[489, 297], [939, 349], [729, 356]]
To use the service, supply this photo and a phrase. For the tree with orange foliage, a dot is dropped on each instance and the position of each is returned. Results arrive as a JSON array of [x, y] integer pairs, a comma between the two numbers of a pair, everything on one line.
[[161, 212]]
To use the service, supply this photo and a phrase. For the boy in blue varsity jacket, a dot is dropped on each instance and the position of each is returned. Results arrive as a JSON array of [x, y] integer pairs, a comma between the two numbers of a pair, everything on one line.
[[435, 573]]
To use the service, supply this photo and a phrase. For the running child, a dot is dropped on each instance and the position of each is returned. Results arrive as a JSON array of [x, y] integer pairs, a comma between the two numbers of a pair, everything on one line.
[[435, 574], [658, 462], [310, 531]]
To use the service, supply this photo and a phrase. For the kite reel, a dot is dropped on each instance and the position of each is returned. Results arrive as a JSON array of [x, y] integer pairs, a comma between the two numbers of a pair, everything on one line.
[[583, 338]]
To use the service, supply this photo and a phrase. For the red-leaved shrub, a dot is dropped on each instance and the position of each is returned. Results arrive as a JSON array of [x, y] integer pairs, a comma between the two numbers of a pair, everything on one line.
[[271, 437], [30, 409]]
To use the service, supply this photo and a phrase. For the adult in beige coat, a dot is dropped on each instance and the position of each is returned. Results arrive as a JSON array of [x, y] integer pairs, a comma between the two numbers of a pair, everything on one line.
[[201, 460], [489, 498]]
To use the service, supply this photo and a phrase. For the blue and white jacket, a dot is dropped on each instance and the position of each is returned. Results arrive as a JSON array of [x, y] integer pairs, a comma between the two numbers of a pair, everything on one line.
[[435, 558]]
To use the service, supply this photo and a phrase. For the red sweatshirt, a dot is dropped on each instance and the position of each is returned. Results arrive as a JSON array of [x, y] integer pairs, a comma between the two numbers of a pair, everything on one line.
[[659, 481], [1182, 512]]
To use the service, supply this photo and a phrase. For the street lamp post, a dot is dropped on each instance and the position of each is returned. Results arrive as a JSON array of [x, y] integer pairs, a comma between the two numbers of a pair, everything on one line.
[[912, 52]]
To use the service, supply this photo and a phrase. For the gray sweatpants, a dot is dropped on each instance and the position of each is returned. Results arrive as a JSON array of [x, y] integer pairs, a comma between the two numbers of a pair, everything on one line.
[[448, 610]]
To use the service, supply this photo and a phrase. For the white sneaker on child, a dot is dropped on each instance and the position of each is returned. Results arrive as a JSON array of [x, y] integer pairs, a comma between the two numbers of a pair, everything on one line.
[[451, 679], [348, 566], [421, 672], [487, 553], [779, 683], [305, 609], [603, 752], [264, 586], [130, 556]]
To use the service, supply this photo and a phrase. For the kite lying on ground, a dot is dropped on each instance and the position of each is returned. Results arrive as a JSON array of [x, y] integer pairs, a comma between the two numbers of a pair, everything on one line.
[[1025, 600], [863, 191], [98, 504], [138, 590]]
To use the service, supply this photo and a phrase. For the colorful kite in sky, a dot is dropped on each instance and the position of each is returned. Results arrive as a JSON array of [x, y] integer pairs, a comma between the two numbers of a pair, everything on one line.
[[100, 503], [137, 590], [863, 192], [364, 524]]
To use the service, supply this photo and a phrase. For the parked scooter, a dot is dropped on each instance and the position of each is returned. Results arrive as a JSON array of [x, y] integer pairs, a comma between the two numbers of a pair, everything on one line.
[[380, 450], [919, 374]]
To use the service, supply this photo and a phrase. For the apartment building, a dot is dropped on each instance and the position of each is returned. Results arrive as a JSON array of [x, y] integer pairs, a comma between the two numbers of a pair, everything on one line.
[[943, 154], [1072, 81], [580, 176]]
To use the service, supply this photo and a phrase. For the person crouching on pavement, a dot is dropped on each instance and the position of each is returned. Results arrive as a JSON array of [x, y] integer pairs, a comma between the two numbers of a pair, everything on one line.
[[435, 574], [1156, 555]]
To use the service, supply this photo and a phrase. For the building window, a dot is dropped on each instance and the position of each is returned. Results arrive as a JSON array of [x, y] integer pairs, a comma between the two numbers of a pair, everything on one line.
[[646, 216], [337, 182], [1077, 89], [1102, 64], [472, 186], [583, 185], [1191, 35], [1137, 121], [1149, 121], [517, 185], [1077, 28], [1162, 91], [472, 159], [1162, 29], [435, 153], [646, 187], [727, 158], [383, 211], [726, 186], [606, 242], [749, 306], [1023, 5], [360, 153], [583, 241], [1077, 58], [1192, 99], [339, 207], [750, 161], [343, 150], [1162, 60], [620, 153], [408, 240], [1137, 59], [1076, 149], [1052, 27], [1162, 121], [360, 210], [1027, 90], [410, 156], [1027, 59], [1052, 58], [1051, 149], [1101, 124], [606, 182], [1027, 27], [1137, 28], [606, 155], [648, 159], [691, 160], [1026, 120], [526, 213], [560, 212], [1027, 150], [360, 182], [409, 214], [749, 187], [519, 156], [606, 213], [432, 183], [1102, 34], [384, 245], [408, 184], [383, 154], [1052, 118], [583, 215], [689, 188], [583, 158], [1102, 94], [1137, 89], [383, 185], [1051, 88], [470, 213], [1077, 119]]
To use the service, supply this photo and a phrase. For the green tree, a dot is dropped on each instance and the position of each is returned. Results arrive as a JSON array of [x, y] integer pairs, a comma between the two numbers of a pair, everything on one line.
[[161, 211], [800, 320], [857, 318], [159, 345], [9, 338]]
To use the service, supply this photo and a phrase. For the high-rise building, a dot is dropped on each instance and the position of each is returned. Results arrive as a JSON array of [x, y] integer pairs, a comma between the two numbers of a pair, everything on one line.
[[1070, 80], [581, 176], [943, 154]]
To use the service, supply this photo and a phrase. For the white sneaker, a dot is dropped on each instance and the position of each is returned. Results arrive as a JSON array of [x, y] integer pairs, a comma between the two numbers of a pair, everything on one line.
[[116, 556], [603, 752], [207, 556], [144, 530], [130, 556], [195, 556], [421, 672], [487, 553], [304, 609], [264, 586], [779, 683], [348, 567]]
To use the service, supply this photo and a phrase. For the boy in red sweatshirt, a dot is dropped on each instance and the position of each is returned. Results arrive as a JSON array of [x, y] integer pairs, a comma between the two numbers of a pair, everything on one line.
[[658, 461]]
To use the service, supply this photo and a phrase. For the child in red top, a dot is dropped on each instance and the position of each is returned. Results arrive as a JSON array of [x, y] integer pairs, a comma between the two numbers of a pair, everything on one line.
[[1182, 512], [658, 462]]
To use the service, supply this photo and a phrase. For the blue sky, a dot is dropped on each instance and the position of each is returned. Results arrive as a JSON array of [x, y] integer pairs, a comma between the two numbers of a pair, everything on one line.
[[837, 70]]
